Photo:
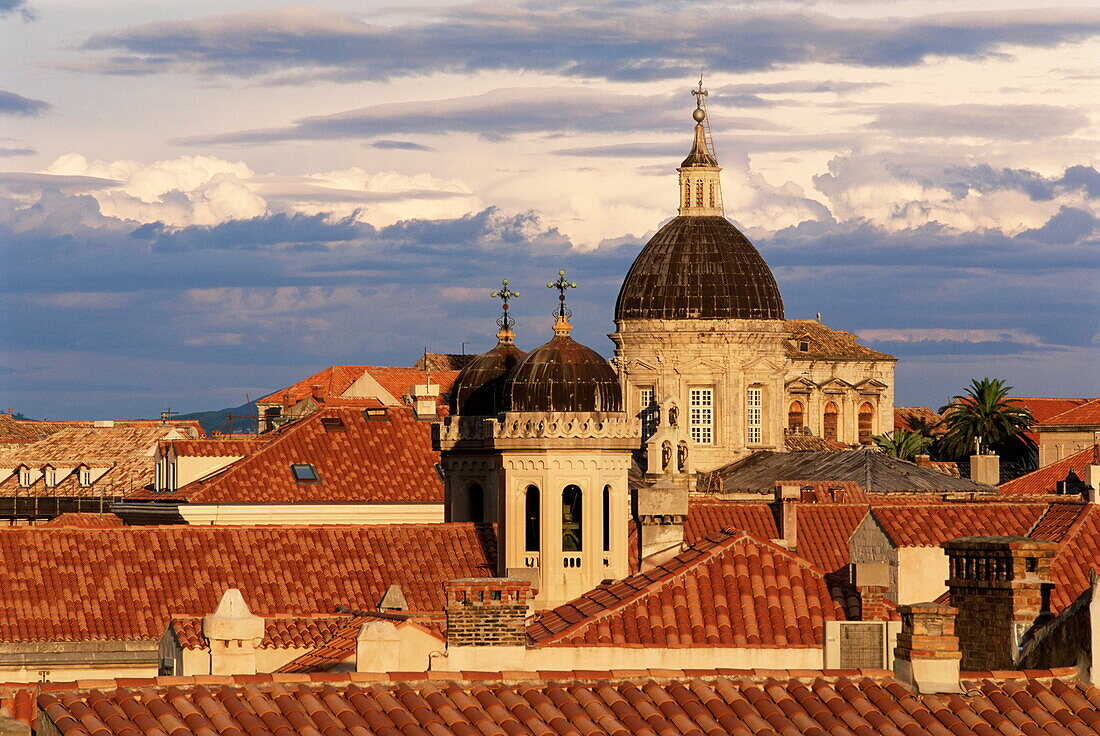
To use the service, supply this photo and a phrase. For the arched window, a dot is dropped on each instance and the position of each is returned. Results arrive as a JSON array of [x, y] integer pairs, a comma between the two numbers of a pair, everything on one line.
[[795, 417], [699, 193], [571, 529], [607, 518], [866, 420], [712, 194], [687, 193], [531, 519], [475, 503], [829, 421]]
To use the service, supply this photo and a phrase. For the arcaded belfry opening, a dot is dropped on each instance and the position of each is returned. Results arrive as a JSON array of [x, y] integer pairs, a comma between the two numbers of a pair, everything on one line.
[[572, 518], [532, 518]]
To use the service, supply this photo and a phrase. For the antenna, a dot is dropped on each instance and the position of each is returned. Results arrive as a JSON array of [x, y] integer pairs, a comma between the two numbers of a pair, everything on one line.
[[427, 368], [166, 414]]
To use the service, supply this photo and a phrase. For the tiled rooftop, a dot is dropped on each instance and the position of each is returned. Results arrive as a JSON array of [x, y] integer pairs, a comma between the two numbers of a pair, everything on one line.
[[912, 418], [85, 584], [378, 460], [280, 632], [650, 703], [219, 446], [811, 443], [337, 379], [1078, 554], [1082, 414], [125, 449], [1046, 479], [85, 521], [876, 472], [827, 343], [727, 590], [1045, 407], [928, 525]]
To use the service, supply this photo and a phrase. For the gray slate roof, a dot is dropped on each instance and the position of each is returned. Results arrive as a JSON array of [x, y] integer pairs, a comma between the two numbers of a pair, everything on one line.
[[876, 472]]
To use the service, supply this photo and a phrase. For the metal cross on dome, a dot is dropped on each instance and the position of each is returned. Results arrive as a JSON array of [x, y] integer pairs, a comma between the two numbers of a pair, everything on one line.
[[504, 294], [699, 93], [561, 285]]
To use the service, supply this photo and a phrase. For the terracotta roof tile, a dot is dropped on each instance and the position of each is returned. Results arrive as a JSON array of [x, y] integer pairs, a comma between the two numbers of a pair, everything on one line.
[[811, 443], [928, 525], [1058, 520], [337, 379], [1087, 412], [656, 703], [126, 451], [827, 343], [280, 632], [86, 521], [1078, 554], [727, 590], [128, 583], [378, 460], [912, 418], [1045, 479], [218, 445]]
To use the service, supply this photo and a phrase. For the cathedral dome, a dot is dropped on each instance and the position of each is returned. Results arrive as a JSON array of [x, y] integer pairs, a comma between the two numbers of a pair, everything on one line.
[[562, 375], [476, 391], [699, 267]]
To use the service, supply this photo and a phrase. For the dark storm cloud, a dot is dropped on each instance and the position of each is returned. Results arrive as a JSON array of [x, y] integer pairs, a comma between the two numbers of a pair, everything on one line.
[[495, 115], [998, 122], [595, 40], [984, 179], [14, 104]]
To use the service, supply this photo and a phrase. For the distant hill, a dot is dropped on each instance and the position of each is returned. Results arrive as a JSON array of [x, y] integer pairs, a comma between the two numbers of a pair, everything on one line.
[[244, 419]]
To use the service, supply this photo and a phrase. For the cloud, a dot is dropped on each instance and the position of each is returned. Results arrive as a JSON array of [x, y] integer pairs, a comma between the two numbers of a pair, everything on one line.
[[11, 152], [7, 7], [630, 42], [388, 145], [13, 104], [1070, 225], [985, 179], [940, 334], [994, 122], [798, 86], [741, 143]]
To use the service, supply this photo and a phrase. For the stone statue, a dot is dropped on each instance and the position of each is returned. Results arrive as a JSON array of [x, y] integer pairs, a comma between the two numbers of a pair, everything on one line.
[[682, 457]]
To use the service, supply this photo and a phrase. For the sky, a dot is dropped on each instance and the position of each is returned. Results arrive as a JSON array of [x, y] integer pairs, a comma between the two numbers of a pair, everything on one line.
[[203, 202]]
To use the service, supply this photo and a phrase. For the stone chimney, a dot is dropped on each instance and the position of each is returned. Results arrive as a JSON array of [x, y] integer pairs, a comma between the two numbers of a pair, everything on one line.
[[985, 469], [927, 655], [317, 391], [1000, 585], [233, 633], [1092, 480], [661, 509], [487, 612], [377, 647], [924, 461], [873, 581], [785, 508], [425, 397]]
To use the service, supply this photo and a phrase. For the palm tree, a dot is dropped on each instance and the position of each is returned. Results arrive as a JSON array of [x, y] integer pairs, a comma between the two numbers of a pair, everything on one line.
[[902, 443], [986, 412]]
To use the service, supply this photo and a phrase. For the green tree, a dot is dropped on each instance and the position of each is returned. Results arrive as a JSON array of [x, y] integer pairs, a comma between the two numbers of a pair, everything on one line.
[[902, 443], [986, 411]]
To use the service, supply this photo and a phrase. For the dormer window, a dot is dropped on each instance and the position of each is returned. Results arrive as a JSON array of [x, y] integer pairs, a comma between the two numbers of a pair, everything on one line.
[[333, 424], [51, 477], [304, 473], [375, 414], [24, 478], [85, 477], [803, 346]]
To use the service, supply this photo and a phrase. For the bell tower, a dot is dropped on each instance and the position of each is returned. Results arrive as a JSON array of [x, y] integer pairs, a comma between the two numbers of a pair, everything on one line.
[[700, 184], [557, 454]]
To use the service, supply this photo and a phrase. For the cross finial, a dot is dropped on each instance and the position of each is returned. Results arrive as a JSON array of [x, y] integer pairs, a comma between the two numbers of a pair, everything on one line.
[[700, 93], [562, 326], [505, 294]]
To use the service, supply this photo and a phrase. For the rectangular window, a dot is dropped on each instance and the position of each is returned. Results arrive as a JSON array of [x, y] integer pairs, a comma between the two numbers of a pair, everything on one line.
[[304, 473], [701, 402], [754, 425], [158, 484], [647, 412], [171, 476], [699, 194]]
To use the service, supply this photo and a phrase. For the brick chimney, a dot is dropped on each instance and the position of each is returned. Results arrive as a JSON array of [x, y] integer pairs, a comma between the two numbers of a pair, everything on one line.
[[1000, 586], [927, 655], [233, 633], [873, 581], [785, 508], [317, 391], [487, 612]]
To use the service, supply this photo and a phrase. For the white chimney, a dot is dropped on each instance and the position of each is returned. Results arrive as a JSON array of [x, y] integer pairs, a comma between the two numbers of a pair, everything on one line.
[[425, 397]]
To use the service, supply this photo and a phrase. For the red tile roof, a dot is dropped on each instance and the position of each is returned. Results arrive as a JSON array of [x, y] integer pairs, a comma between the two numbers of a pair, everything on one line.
[[337, 379], [280, 632], [1044, 407], [86, 521], [1046, 479], [83, 584], [379, 460], [928, 525], [219, 446], [1086, 413], [1078, 554], [1058, 520], [646, 702], [912, 417], [727, 590], [124, 448], [706, 518]]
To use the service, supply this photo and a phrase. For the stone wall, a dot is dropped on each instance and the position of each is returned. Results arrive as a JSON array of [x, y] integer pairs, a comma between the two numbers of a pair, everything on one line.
[[487, 612]]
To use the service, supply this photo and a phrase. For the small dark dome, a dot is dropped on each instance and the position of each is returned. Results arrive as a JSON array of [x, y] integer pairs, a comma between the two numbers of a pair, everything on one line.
[[476, 390], [563, 375], [699, 268]]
